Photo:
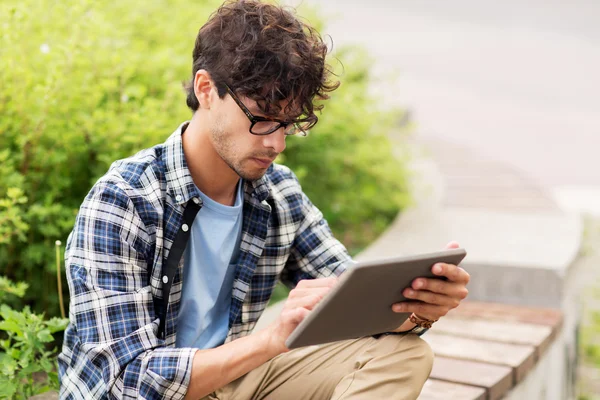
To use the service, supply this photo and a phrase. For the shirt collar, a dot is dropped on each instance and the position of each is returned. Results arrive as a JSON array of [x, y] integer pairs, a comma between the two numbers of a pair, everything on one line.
[[179, 180]]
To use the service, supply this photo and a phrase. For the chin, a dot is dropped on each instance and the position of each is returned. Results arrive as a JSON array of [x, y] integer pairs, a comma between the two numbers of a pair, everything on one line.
[[250, 172], [251, 176]]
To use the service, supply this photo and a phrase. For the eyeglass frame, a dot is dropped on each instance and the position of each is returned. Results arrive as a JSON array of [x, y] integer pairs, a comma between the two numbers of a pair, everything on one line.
[[255, 118]]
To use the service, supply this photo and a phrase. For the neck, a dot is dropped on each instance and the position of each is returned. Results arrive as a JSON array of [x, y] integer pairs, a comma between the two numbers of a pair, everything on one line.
[[209, 172]]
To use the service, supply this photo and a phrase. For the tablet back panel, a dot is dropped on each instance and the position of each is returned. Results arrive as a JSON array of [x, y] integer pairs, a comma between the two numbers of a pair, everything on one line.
[[360, 304]]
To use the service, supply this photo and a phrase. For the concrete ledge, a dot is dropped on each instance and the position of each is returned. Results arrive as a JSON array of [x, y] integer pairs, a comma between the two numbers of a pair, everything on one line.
[[551, 240], [512, 258]]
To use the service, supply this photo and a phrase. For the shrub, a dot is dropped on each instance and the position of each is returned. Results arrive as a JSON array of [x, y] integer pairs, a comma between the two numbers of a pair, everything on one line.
[[85, 83], [27, 367]]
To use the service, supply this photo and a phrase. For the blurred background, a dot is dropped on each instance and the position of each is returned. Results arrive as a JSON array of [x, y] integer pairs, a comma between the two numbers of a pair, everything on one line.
[[503, 99], [474, 121], [511, 81]]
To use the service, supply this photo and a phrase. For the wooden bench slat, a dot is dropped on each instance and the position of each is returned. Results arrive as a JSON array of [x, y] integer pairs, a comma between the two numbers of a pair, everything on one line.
[[439, 390], [498, 331], [520, 357], [506, 312], [496, 379]]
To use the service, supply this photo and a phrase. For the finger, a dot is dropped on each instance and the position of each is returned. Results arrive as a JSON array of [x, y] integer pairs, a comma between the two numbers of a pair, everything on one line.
[[423, 310], [452, 272], [321, 282], [300, 292], [452, 289], [452, 245], [432, 298], [296, 315], [308, 302]]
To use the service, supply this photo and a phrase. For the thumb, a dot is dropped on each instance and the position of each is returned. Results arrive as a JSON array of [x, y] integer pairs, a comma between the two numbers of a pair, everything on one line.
[[452, 245]]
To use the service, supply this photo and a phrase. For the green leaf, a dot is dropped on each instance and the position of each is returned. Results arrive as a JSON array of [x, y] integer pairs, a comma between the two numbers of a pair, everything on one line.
[[30, 369], [8, 367], [42, 389], [11, 326], [8, 287], [26, 356], [14, 353], [8, 388], [45, 336], [46, 364], [57, 324]]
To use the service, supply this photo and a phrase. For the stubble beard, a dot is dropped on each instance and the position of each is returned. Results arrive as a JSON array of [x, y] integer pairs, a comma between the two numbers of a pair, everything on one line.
[[223, 144]]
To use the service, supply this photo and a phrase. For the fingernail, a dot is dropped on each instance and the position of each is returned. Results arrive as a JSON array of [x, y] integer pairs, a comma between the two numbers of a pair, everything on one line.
[[437, 269], [397, 307], [418, 284], [410, 293]]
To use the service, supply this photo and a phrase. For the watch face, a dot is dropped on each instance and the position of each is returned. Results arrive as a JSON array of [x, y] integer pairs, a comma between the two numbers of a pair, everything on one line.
[[418, 329]]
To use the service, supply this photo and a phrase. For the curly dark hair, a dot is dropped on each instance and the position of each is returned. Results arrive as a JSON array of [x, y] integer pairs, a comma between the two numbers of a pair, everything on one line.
[[262, 51]]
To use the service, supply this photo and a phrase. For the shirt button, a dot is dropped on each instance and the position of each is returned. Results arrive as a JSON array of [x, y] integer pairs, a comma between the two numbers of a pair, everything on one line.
[[185, 227], [178, 197], [165, 279], [196, 200]]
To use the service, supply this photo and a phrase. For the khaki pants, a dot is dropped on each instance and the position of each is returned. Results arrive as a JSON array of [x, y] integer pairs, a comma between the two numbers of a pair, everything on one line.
[[389, 367]]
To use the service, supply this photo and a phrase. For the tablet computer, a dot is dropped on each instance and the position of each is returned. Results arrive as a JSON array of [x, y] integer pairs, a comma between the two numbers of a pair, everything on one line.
[[361, 302]]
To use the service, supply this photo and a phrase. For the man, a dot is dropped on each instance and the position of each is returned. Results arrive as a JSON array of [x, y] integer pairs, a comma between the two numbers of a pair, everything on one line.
[[176, 250]]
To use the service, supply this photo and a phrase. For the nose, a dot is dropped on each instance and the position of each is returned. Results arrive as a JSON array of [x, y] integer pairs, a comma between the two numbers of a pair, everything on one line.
[[275, 140]]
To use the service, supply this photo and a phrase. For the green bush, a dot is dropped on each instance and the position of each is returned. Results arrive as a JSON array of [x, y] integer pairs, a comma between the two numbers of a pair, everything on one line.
[[27, 367], [589, 329], [346, 165], [85, 83]]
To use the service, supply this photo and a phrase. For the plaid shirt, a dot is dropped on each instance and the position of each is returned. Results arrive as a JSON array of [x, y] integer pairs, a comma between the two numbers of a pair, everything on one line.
[[122, 236]]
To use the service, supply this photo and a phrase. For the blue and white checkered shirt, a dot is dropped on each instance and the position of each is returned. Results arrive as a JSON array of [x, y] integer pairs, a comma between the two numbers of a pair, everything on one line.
[[121, 238]]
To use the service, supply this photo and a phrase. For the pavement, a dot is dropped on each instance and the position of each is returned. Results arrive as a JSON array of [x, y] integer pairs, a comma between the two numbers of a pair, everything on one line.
[[513, 82]]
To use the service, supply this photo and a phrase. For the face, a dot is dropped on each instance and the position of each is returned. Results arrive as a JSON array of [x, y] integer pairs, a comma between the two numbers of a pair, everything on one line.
[[248, 155]]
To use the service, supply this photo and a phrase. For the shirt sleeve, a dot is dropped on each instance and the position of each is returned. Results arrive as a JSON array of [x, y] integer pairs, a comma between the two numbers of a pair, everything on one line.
[[315, 252], [111, 346]]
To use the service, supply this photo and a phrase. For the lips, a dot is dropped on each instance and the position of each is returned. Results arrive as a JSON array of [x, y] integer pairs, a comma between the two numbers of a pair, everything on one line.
[[263, 162]]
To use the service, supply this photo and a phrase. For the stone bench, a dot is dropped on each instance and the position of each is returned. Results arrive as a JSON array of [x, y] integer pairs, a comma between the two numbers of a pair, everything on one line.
[[489, 351]]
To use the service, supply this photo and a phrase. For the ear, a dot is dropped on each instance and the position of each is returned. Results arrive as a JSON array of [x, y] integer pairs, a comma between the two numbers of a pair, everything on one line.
[[203, 88]]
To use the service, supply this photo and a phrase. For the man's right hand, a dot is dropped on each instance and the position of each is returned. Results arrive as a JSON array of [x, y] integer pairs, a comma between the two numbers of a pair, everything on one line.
[[301, 300]]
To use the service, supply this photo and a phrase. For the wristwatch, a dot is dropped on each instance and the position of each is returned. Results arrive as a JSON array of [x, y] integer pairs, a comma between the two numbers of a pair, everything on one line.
[[422, 325], [417, 330]]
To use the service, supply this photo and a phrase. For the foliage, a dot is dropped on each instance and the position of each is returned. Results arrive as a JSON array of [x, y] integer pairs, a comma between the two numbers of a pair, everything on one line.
[[346, 165], [590, 332], [9, 288], [589, 339], [24, 348], [11, 220], [85, 83], [589, 345]]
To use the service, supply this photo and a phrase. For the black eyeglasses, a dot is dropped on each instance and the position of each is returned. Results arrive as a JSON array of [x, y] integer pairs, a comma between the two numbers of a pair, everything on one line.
[[266, 126]]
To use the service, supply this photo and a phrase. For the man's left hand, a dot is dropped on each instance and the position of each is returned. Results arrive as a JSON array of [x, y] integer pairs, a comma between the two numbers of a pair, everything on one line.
[[432, 298]]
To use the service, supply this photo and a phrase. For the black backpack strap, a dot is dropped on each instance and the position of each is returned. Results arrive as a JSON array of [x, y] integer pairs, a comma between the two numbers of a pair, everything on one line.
[[170, 266]]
